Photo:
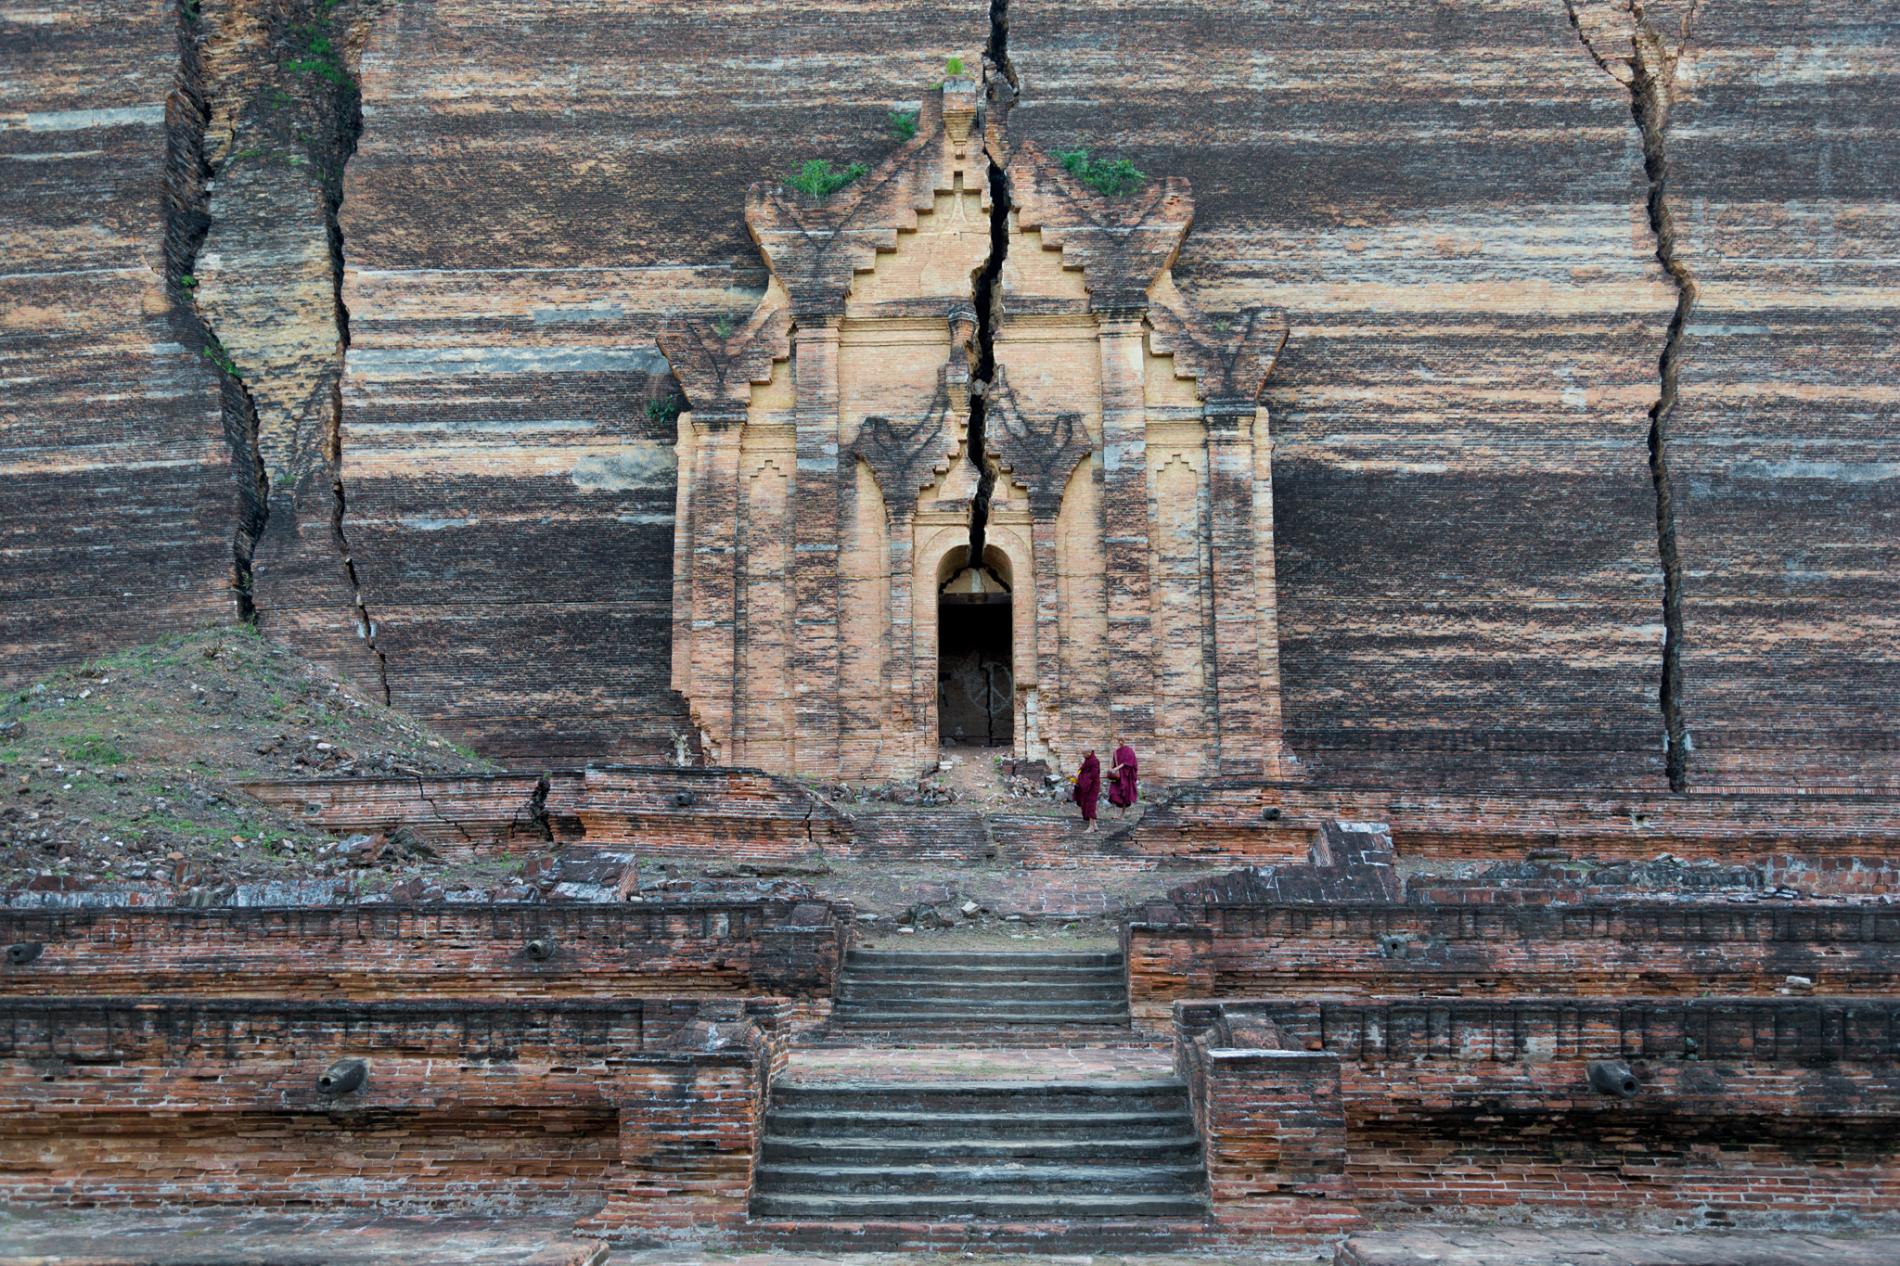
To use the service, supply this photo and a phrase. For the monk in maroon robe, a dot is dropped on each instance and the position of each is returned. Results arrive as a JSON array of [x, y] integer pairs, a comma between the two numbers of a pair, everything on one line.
[[1121, 778], [1088, 789]]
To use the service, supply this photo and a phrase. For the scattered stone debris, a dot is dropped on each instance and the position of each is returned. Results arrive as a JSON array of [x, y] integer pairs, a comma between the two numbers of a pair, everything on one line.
[[119, 778]]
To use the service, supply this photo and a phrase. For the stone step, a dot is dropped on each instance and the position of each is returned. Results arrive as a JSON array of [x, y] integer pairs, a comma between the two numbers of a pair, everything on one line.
[[999, 1026], [1044, 1098], [814, 1206], [902, 990], [905, 1123], [904, 1146], [986, 959], [982, 1153], [1006, 974], [1087, 1238], [1013, 1177], [908, 1031], [1079, 990], [807, 1206], [922, 997], [928, 1004]]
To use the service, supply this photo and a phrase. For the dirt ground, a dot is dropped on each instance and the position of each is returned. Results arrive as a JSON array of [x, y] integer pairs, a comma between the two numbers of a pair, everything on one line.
[[126, 769], [121, 778]]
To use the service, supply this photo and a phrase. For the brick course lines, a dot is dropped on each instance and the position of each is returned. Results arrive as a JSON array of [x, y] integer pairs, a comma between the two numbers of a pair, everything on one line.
[[1748, 1109], [782, 948], [1595, 950], [465, 1103]]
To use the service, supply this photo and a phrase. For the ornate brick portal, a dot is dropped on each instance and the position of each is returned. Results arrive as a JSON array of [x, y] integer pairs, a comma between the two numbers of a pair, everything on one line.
[[826, 489]]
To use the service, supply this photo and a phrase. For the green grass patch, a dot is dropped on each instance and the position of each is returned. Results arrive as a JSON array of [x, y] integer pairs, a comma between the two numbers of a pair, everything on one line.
[[91, 749], [1114, 177], [817, 179]]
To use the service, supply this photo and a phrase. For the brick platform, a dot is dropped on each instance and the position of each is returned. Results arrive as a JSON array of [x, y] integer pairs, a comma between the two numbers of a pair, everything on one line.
[[252, 1239], [744, 948], [1528, 1247], [619, 1063], [1242, 949], [1737, 1109], [1826, 844], [461, 1105]]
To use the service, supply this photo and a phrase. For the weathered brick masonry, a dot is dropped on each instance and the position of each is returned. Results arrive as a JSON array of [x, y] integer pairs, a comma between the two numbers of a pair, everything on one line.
[[737, 814], [781, 949], [1591, 951], [1826, 845], [464, 1103], [1744, 1109], [1846, 842]]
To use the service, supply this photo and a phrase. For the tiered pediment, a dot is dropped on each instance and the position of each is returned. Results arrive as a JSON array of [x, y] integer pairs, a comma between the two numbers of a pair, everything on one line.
[[1111, 513], [1121, 244], [815, 246]]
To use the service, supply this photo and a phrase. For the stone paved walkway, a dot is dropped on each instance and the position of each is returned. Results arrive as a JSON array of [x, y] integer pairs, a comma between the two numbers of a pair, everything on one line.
[[1226, 1257], [977, 1065], [1526, 1246], [91, 1238]]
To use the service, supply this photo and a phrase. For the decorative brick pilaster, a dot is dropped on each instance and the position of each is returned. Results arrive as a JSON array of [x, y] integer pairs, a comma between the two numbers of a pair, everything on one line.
[[709, 602], [815, 546], [691, 1116], [1273, 1124], [1128, 547], [1234, 601], [1167, 962]]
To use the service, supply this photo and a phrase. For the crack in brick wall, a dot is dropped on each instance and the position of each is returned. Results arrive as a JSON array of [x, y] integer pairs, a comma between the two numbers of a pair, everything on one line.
[[187, 221], [265, 113], [1649, 72], [1000, 89]]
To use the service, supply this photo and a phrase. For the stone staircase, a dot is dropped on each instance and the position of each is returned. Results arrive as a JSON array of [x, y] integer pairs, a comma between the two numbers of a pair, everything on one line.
[[1023, 1152], [959, 991], [979, 1098]]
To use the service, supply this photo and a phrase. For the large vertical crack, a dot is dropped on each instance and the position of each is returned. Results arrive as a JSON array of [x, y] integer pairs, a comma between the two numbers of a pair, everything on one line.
[[347, 130], [1649, 73], [265, 112], [1000, 87], [187, 221]]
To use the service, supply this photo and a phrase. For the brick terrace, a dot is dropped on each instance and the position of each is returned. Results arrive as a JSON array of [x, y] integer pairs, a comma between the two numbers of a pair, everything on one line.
[[1356, 1048]]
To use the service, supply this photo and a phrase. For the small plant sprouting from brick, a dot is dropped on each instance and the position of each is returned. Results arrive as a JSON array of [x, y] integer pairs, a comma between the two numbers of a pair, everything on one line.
[[817, 179], [903, 124], [1115, 177], [319, 54], [214, 352], [722, 325], [664, 411], [953, 68]]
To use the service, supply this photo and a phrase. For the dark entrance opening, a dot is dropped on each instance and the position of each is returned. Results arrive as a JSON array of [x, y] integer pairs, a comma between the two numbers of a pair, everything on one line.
[[976, 690]]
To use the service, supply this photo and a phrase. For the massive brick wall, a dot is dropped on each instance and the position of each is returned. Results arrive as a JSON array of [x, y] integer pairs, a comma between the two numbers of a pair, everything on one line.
[[1446, 204], [1746, 1111], [119, 498], [1449, 205], [1468, 568], [536, 193], [1782, 155], [745, 948], [465, 1105]]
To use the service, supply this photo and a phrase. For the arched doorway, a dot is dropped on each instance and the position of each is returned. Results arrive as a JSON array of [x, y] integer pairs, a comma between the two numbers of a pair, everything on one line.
[[976, 687]]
